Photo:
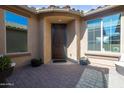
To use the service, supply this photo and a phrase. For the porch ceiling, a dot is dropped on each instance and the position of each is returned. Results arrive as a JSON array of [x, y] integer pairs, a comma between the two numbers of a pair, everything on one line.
[[59, 19]]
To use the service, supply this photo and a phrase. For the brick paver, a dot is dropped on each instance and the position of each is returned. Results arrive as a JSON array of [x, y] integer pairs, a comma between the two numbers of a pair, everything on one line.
[[58, 76], [92, 78]]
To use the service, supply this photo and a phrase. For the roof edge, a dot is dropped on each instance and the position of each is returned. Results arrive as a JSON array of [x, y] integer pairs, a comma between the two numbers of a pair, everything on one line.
[[33, 10], [60, 10], [69, 10], [100, 10]]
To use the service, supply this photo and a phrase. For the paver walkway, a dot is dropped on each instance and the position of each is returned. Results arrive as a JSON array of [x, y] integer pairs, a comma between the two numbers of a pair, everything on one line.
[[92, 78], [58, 76]]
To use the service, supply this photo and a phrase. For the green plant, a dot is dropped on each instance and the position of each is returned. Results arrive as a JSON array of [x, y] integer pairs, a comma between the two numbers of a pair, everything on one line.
[[5, 63], [36, 62]]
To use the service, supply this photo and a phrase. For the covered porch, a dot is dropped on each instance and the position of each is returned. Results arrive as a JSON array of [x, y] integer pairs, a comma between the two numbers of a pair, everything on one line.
[[61, 37]]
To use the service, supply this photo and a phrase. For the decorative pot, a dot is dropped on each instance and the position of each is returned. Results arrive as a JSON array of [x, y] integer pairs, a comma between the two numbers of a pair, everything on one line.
[[5, 74]]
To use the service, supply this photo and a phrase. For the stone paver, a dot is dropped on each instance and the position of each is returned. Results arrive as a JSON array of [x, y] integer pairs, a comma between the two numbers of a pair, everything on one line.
[[92, 78], [58, 76]]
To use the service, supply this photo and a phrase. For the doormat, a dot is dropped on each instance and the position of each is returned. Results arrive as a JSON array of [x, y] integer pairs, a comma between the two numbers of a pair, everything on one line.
[[59, 61]]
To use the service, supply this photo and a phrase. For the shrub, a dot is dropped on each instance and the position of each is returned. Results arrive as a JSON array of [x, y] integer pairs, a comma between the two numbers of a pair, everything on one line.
[[5, 63]]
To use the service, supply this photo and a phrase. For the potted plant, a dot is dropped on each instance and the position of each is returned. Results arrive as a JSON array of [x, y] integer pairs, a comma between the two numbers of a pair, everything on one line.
[[36, 62], [84, 61], [6, 68]]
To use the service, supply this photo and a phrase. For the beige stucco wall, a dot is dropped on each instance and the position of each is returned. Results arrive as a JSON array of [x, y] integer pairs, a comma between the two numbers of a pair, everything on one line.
[[41, 30], [83, 39], [78, 27], [47, 41], [33, 44], [71, 41], [102, 62], [33, 37], [2, 32]]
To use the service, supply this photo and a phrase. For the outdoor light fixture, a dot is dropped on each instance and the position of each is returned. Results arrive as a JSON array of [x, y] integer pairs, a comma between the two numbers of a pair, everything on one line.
[[60, 20]]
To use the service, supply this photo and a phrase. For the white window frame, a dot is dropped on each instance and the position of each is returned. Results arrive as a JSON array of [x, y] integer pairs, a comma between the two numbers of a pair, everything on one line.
[[102, 49]]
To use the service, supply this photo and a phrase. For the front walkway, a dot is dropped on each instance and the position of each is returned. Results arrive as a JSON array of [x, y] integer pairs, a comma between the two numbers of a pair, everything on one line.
[[116, 80], [59, 76]]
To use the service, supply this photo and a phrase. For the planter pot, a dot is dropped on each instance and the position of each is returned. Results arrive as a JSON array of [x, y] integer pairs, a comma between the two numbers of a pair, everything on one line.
[[83, 61], [5, 74], [36, 62]]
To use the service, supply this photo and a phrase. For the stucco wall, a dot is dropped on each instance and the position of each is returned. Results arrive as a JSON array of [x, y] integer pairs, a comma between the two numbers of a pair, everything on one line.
[[83, 39], [2, 32], [41, 30], [71, 41], [102, 62], [33, 44], [47, 41], [33, 37], [78, 32]]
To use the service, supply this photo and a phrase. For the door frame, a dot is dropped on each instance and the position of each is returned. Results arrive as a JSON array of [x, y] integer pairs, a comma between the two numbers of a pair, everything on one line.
[[65, 37]]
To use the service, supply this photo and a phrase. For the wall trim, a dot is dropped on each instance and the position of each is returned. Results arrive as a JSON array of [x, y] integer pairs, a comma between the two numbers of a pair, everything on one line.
[[19, 54]]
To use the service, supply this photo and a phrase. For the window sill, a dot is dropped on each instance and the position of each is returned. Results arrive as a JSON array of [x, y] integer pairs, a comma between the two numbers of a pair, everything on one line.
[[103, 54], [19, 54]]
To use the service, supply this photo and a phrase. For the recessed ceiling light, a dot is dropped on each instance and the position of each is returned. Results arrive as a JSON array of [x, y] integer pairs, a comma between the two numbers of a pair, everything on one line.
[[60, 20]]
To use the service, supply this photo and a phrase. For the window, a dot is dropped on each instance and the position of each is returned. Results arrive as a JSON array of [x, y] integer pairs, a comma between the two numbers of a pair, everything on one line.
[[16, 32], [109, 26], [111, 33], [94, 35]]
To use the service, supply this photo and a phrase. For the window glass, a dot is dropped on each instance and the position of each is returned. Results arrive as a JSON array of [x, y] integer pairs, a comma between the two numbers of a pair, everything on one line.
[[110, 31], [16, 32], [94, 34]]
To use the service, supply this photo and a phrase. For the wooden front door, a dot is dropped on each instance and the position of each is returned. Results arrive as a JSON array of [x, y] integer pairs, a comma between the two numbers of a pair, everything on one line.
[[58, 41]]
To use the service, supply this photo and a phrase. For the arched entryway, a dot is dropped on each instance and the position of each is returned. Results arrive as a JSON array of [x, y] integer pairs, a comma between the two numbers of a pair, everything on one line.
[[64, 43]]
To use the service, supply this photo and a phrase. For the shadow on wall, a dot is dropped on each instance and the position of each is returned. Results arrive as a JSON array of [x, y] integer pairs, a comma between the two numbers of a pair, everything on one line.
[[70, 32], [71, 41], [83, 30], [71, 38]]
